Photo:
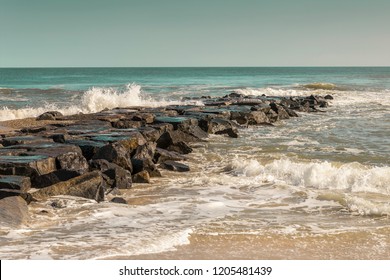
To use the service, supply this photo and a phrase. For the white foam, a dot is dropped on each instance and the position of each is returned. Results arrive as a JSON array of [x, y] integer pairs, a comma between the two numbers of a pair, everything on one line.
[[271, 92], [94, 100], [320, 175]]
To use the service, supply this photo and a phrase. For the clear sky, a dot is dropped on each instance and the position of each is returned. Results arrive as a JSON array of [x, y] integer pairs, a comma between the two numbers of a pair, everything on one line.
[[40, 33]]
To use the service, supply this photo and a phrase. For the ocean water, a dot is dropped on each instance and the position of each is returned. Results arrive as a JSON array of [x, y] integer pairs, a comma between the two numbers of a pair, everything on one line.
[[313, 187]]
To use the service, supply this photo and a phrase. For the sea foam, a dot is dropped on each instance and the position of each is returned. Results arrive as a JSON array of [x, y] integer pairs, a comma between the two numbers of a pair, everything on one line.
[[93, 100]]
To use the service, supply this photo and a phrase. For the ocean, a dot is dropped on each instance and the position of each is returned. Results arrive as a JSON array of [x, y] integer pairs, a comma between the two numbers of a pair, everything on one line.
[[313, 187]]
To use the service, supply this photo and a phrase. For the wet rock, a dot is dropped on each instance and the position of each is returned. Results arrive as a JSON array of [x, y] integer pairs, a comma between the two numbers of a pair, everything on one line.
[[88, 127], [150, 134], [23, 140], [291, 113], [72, 161], [174, 121], [19, 183], [88, 185], [257, 117], [52, 178], [34, 130], [280, 111], [115, 153], [175, 166], [28, 166], [125, 124], [145, 117], [162, 155], [119, 200], [51, 115], [194, 131], [13, 211], [114, 175], [88, 148], [142, 177], [219, 126], [180, 147], [328, 97]]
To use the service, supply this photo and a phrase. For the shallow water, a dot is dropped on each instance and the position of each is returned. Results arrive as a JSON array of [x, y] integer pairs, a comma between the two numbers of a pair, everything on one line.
[[313, 187]]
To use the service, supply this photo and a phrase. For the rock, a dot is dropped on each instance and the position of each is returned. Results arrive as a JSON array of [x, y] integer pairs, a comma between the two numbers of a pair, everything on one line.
[[328, 97], [23, 140], [219, 126], [164, 155], [282, 114], [52, 115], [125, 124], [73, 161], [115, 153], [175, 121], [28, 166], [88, 148], [19, 183], [257, 117], [193, 130], [88, 185], [291, 113], [52, 178], [119, 200], [13, 211], [141, 177], [150, 134], [180, 147], [114, 175], [34, 130], [175, 166], [146, 117]]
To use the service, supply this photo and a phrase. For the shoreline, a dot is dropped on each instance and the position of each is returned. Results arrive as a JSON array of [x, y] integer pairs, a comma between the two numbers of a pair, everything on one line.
[[94, 156]]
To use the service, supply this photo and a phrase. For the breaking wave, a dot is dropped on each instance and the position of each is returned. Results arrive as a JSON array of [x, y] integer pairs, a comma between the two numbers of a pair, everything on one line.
[[349, 181], [93, 100]]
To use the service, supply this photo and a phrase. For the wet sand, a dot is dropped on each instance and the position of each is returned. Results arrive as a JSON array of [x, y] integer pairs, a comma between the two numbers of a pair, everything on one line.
[[338, 246]]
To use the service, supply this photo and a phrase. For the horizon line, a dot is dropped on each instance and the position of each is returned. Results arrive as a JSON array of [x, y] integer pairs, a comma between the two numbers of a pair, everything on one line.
[[316, 66]]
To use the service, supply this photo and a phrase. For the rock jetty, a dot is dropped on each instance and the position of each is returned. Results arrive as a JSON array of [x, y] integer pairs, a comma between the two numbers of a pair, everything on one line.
[[90, 155]]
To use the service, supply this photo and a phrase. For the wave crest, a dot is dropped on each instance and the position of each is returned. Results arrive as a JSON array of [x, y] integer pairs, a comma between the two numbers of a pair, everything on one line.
[[93, 100]]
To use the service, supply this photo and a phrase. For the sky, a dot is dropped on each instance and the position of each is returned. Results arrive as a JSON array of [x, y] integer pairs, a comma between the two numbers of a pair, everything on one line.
[[164, 33]]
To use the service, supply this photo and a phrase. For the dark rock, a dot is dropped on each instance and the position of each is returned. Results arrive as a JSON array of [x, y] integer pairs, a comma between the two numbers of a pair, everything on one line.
[[88, 185], [180, 147], [150, 134], [29, 166], [291, 113], [257, 117], [23, 140], [19, 183], [88, 148], [52, 115], [13, 211], [280, 111], [175, 121], [52, 178], [73, 161], [142, 177], [162, 155], [114, 175], [125, 124], [175, 166], [61, 138], [34, 129], [219, 126], [194, 131], [115, 153], [119, 200], [328, 97], [146, 117]]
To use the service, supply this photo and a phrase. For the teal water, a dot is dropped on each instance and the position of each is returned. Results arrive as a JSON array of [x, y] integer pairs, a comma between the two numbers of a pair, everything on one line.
[[318, 176]]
